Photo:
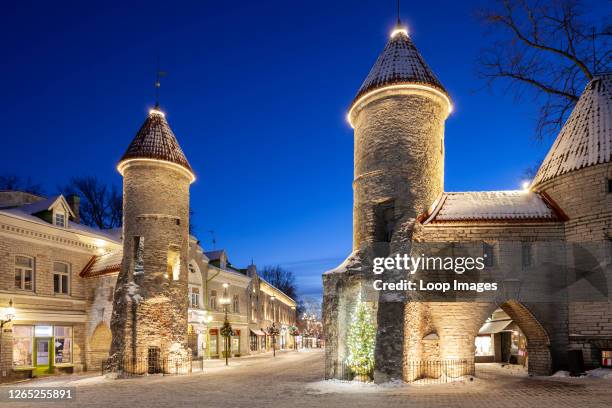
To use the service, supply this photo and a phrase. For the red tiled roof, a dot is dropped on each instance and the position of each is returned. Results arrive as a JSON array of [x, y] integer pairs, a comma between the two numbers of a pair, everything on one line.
[[103, 264], [155, 140]]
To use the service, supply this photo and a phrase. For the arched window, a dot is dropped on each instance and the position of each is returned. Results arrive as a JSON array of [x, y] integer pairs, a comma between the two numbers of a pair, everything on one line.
[[213, 300]]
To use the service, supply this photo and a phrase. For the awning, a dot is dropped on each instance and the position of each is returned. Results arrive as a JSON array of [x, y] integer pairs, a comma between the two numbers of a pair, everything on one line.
[[494, 326], [258, 332]]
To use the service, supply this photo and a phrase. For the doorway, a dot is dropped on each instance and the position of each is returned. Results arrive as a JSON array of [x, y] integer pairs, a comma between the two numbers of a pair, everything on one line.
[[44, 355]]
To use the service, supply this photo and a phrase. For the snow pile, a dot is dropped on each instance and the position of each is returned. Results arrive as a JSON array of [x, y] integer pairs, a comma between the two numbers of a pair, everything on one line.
[[561, 374], [600, 373], [352, 262]]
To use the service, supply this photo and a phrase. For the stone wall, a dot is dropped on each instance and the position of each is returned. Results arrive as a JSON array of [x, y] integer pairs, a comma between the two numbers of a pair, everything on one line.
[[150, 308]]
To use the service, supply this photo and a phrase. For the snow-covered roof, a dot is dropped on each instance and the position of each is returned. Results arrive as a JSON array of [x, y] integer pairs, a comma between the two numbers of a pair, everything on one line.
[[399, 63], [586, 137], [492, 205], [214, 255], [46, 205], [19, 213], [103, 264], [155, 140]]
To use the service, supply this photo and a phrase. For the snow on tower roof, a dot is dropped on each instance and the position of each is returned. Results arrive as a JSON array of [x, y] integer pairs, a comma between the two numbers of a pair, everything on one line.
[[586, 137], [493, 205], [399, 63], [155, 140]]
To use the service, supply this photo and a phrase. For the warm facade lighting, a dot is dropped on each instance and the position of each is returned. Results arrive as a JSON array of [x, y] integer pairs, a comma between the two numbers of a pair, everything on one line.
[[400, 86], [156, 112], [121, 166], [399, 30], [525, 185]]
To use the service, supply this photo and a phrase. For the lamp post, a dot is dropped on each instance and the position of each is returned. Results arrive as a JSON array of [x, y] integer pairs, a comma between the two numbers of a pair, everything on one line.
[[273, 331], [7, 314], [226, 330]]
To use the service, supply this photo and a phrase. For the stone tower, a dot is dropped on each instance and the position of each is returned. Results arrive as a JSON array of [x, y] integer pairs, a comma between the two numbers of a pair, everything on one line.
[[398, 115], [150, 303]]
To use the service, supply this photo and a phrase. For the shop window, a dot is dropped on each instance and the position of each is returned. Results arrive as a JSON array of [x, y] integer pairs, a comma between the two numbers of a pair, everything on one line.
[[43, 331], [24, 272], [236, 304], [63, 345], [253, 342], [174, 263], [262, 340], [61, 278], [484, 346], [23, 340], [138, 255]]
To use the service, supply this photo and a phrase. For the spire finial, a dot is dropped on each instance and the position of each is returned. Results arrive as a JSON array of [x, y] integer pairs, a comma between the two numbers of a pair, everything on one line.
[[399, 21], [159, 73]]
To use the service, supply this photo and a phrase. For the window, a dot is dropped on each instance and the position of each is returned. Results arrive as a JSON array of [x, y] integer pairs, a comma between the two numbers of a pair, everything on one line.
[[174, 263], [138, 255], [195, 297], [22, 345], [236, 304], [253, 342], [61, 278], [609, 185], [526, 254], [384, 221], [213, 300], [63, 345], [487, 253], [191, 268], [60, 219], [24, 273]]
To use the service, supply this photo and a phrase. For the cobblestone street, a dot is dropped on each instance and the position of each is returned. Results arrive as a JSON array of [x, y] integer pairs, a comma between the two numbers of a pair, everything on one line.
[[294, 379]]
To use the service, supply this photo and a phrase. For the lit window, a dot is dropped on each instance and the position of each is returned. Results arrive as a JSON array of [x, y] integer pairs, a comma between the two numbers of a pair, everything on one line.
[[236, 304], [60, 219], [195, 297], [63, 344], [24, 273], [61, 278], [174, 263], [23, 340], [213, 300]]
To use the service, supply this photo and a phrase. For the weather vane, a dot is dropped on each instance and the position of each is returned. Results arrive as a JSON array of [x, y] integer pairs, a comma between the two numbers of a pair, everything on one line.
[[158, 76]]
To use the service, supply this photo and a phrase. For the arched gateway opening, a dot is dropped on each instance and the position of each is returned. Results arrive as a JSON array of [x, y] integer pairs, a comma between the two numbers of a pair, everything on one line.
[[446, 341], [99, 346], [512, 335]]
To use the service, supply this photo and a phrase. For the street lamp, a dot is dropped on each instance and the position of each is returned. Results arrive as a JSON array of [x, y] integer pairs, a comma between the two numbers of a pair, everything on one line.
[[7, 314], [226, 330]]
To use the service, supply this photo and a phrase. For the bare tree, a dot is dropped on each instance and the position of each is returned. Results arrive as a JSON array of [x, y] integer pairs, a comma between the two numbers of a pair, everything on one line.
[[101, 205], [281, 278], [16, 183], [549, 49]]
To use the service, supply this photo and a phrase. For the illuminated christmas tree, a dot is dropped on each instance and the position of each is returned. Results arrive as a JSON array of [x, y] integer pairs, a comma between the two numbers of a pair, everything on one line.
[[360, 342]]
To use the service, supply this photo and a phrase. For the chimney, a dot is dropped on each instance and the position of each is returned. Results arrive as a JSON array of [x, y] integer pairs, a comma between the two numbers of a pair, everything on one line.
[[74, 201]]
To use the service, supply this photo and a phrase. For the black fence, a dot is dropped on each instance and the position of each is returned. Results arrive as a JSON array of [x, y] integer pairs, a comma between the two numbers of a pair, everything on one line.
[[438, 371], [415, 371], [343, 371], [152, 365]]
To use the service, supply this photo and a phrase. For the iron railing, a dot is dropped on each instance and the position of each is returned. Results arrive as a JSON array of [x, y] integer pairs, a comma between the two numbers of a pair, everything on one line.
[[415, 371], [130, 366], [438, 371], [344, 371]]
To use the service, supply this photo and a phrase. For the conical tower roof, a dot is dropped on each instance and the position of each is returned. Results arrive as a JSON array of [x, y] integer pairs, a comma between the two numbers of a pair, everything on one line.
[[155, 140], [399, 63], [586, 138]]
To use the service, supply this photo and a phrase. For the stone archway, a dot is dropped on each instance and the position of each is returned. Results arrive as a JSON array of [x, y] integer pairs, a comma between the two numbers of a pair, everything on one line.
[[538, 341], [99, 346]]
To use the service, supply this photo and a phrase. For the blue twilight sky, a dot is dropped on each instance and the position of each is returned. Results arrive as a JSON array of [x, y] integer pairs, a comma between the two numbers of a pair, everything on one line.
[[256, 93]]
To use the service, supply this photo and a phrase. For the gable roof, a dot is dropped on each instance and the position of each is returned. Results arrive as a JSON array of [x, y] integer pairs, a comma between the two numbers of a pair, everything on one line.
[[586, 138], [46, 205], [399, 63], [155, 140], [103, 264], [493, 206]]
